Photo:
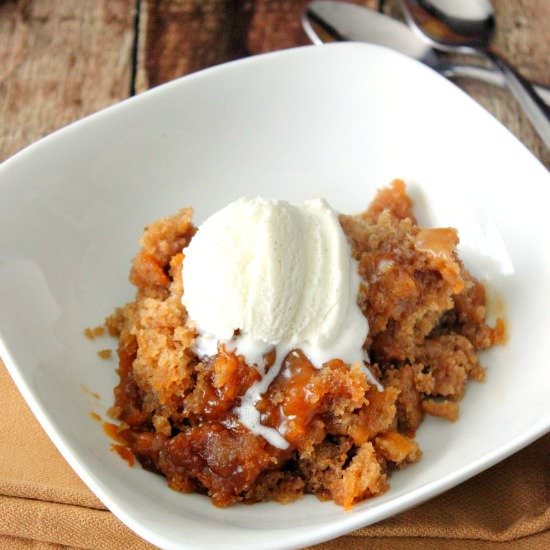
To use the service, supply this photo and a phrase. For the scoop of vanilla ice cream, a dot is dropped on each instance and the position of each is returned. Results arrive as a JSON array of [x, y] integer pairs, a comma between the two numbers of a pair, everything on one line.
[[275, 271], [266, 274]]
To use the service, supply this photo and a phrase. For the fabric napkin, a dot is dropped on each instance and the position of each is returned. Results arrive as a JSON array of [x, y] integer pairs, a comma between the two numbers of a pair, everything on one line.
[[43, 503]]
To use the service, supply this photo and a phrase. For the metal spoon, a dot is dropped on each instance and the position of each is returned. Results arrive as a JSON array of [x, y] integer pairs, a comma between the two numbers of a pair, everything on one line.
[[466, 26], [325, 20]]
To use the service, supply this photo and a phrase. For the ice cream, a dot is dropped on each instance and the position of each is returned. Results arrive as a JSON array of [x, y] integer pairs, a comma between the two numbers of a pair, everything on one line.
[[267, 274]]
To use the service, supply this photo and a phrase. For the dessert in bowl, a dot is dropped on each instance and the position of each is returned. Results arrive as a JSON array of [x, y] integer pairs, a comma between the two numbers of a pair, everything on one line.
[[279, 350]]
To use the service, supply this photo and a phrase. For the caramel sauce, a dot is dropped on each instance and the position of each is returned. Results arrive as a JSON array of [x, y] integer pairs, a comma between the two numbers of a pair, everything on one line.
[[496, 310], [500, 332], [95, 416], [231, 377], [294, 398], [124, 453], [112, 431], [121, 448]]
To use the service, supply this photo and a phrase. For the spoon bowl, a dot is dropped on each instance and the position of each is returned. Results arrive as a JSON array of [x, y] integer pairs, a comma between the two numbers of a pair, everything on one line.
[[466, 23]]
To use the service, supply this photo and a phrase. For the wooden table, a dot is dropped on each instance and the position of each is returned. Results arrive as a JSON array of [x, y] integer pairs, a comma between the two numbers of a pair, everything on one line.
[[63, 59]]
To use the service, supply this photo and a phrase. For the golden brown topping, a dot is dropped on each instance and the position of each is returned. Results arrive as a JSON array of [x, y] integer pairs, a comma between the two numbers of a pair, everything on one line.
[[125, 453]]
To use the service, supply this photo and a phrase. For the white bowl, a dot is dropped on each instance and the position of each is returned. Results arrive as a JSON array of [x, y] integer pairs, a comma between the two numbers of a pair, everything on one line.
[[336, 121]]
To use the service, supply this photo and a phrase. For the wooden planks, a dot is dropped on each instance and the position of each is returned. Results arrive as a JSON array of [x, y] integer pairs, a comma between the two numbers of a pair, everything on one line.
[[59, 61], [183, 36]]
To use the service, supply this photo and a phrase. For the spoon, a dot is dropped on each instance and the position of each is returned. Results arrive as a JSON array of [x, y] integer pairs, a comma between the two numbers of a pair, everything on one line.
[[466, 26], [326, 20]]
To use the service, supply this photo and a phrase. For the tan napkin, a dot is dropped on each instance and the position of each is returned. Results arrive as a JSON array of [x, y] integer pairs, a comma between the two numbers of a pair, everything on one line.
[[43, 503]]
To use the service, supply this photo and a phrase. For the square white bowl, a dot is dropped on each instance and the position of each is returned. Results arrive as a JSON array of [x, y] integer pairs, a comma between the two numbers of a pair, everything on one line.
[[335, 122]]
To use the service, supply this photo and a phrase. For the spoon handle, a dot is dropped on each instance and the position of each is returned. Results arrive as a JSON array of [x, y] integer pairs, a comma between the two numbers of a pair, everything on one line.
[[495, 78], [535, 109]]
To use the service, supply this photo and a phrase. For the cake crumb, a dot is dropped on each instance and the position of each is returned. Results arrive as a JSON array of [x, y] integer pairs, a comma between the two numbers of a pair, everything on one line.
[[94, 332], [444, 409]]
